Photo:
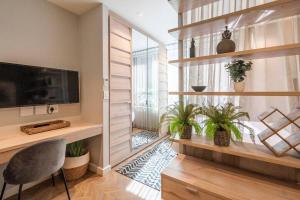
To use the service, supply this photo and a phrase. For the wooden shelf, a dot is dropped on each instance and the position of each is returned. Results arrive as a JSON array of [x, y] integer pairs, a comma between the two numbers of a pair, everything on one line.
[[184, 5], [254, 15], [246, 150], [274, 93], [268, 52]]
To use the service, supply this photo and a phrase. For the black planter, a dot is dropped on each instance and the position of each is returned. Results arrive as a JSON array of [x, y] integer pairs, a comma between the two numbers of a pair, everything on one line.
[[187, 132], [222, 138]]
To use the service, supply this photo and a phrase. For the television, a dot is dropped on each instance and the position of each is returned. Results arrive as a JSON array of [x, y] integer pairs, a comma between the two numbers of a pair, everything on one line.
[[23, 85]]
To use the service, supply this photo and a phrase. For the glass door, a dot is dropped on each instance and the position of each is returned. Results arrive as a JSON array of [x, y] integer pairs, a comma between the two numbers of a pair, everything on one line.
[[145, 89]]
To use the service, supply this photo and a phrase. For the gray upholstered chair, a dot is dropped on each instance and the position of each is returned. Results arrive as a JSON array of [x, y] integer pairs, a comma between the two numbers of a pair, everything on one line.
[[34, 163]]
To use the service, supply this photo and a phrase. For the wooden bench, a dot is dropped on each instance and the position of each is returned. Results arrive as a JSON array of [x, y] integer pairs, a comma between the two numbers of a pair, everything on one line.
[[190, 178]]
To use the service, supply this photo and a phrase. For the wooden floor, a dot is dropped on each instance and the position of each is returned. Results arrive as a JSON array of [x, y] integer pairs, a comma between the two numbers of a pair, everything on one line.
[[113, 186], [92, 187]]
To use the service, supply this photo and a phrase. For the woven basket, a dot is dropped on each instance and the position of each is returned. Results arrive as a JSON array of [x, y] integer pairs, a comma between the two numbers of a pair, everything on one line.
[[222, 138], [187, 132], [75, 173], [76, 167]]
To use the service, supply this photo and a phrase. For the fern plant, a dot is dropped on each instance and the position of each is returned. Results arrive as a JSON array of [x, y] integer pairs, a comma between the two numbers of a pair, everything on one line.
[[76, 149], [180, 117], [224, 118]]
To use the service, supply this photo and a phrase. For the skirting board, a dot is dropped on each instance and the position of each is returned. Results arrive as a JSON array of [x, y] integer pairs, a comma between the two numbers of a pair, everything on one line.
[[98, 170]]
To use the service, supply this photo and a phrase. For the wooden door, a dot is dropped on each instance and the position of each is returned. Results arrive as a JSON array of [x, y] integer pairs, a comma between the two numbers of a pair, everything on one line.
[[120, 91]]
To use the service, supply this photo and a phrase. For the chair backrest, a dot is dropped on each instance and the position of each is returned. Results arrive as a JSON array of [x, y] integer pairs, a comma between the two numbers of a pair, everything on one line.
[[35, 162]]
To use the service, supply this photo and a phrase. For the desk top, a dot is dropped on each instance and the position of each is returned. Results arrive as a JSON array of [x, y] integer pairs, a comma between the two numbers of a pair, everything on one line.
[[11, 138]]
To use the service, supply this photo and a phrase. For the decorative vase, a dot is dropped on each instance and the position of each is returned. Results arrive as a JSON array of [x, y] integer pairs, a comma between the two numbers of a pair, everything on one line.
[[239, 86], [226, 45], [76, 167], [187, 132], [222, 138], [192, 49]]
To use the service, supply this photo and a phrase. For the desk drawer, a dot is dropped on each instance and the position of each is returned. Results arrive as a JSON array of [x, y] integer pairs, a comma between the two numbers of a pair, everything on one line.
[[172, 190]]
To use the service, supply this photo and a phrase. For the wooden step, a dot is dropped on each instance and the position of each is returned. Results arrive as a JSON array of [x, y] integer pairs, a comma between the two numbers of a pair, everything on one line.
[[189, 178]]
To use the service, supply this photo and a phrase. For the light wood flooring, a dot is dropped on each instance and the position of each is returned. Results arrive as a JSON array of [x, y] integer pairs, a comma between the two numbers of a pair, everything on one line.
[[113, 186]]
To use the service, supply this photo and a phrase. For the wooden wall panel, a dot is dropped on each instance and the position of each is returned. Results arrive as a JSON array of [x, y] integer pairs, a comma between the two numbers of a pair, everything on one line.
[[120, 70], [119, 56], [119, 96], [120, 91]]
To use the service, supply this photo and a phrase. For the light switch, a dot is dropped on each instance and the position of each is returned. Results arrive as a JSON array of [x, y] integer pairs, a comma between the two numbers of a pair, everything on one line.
[[26, 111], [105, 94]]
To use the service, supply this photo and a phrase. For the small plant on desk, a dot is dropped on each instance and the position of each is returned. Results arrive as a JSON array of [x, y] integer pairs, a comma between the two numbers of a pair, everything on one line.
[[222, 123], [77, 160], [182, 119]]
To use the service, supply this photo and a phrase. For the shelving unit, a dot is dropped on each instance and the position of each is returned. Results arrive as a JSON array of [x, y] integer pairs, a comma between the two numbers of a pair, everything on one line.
[[244, 150], [261, 93], [254, 15], [268, 52], [184, 5]]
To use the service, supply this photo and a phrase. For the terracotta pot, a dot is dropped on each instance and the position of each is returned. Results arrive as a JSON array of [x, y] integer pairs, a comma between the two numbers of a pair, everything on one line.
[[222, 138], [76, 167], [187, 133], [239, 86]]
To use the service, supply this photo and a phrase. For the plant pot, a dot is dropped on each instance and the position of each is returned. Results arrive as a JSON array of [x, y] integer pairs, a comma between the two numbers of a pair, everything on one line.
[[187, 132], [222, 138], [239, 86], [226, 46], [76, 167]]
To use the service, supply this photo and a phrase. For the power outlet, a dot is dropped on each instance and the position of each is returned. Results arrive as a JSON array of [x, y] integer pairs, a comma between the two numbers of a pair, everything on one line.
[[52, 109]]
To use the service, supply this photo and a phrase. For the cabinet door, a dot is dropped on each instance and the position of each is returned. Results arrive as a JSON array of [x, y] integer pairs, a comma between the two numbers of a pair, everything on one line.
[[120, 91]]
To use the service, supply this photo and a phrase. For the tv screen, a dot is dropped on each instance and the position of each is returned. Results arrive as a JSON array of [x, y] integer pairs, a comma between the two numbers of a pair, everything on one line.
[[22, 85]]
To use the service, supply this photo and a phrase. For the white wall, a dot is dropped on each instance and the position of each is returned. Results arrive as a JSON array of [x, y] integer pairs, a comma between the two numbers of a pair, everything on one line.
[[93, 27], [36, 32]]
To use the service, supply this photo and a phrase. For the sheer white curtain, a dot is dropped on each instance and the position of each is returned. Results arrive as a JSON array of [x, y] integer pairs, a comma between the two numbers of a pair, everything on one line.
[[150, 87], [274, 74]]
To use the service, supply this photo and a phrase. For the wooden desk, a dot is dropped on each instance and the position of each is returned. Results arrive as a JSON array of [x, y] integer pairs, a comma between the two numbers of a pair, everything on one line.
[[12, 139]]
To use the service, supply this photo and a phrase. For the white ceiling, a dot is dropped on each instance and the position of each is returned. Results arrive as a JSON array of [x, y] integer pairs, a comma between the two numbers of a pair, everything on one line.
[[76, 6], [154, 17]]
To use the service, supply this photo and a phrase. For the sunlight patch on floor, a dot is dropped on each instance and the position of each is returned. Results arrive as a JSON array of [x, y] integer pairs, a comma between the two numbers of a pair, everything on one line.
[[143, 191]]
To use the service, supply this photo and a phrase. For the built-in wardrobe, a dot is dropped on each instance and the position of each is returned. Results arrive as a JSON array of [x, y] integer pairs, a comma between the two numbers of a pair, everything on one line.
[[120, 90], [124, 141]]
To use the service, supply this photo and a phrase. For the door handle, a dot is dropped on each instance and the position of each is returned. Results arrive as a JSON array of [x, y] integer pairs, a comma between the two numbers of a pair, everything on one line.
[[192, 190]]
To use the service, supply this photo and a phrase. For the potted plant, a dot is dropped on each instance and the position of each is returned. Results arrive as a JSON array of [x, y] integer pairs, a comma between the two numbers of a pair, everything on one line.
[[76, 161], [222, 123], [182, 120], [237, 70]]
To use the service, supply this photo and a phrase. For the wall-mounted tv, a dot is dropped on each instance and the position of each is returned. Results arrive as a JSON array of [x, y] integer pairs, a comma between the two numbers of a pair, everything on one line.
[[23, 85]]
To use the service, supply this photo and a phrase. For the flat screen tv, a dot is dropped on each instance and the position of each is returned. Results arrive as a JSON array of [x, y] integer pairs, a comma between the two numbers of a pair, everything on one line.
[[23, 85]]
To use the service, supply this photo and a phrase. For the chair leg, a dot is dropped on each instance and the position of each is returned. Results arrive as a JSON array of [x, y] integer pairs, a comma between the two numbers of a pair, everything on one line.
[[53, 180], [64, 179], [3, 190], [20, 192]]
